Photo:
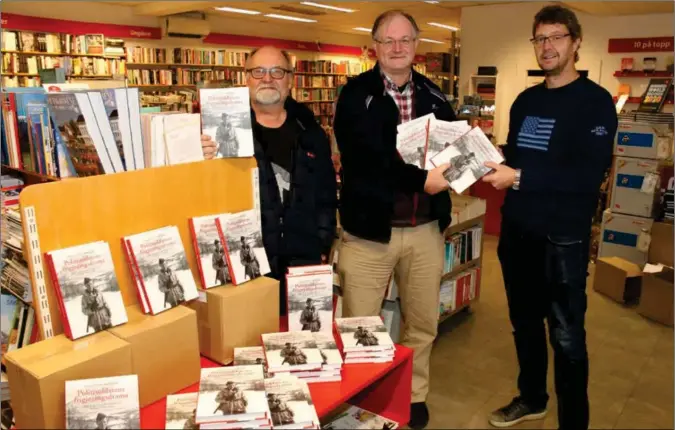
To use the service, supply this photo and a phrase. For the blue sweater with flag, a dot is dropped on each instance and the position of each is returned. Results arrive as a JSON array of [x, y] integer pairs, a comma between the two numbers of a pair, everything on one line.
[[562, 140]]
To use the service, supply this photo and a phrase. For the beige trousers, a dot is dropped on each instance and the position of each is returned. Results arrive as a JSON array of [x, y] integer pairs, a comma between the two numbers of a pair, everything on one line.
[[415, 256]]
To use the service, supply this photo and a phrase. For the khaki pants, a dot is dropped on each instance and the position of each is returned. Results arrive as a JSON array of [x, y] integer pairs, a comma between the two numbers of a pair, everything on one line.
[[415, 256]]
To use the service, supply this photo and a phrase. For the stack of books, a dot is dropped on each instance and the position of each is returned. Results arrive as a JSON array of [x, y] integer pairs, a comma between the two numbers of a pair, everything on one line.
[[232, 397], [297, 353], [250, 355], [667, 207], [290, 404], [365, 340]]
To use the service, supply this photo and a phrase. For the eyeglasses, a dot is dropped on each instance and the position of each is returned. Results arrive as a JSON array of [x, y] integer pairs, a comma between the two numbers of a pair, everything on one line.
[[541, 40], [389, 43], [275, 72]]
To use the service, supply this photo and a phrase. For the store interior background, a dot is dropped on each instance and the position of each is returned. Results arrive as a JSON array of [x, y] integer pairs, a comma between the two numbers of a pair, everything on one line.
[[474, 367]]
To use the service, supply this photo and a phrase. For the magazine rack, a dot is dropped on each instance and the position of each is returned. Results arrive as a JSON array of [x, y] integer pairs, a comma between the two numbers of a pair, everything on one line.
[[108, 207]]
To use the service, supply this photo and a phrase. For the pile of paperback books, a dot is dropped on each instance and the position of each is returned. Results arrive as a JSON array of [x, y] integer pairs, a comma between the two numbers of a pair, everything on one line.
[[365, 340], [312, 357]]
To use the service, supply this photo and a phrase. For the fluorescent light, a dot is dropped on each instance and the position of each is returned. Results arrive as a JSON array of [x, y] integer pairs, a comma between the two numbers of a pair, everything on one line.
[[432, 41], [431, 1], [235, 10], [289, 18], [449, 27], [362, 29], [325, 6]]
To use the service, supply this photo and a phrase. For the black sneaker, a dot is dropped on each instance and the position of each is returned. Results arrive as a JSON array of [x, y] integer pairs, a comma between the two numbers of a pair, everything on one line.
[[419, 416], [515, 412]]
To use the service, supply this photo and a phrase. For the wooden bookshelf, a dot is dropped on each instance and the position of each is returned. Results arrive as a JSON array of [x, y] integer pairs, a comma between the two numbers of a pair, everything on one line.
[[29, 178], [63, 54]]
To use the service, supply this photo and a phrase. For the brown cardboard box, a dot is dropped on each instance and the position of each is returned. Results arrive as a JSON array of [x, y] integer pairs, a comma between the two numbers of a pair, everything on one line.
[[201, 309], [164, 349], [656, 301], [38, 373], [661, 245], [618, 279], [238, 315]]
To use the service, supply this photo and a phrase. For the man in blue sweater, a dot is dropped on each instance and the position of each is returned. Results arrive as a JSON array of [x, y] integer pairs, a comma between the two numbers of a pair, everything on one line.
[[558, 149]]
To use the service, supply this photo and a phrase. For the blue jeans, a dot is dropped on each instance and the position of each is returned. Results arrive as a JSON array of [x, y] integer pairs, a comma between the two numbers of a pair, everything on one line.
[[545, 279]]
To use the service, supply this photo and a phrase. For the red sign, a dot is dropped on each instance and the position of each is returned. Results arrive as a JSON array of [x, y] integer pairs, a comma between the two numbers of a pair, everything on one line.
[[644, 44], [48, 25], [253, 41]]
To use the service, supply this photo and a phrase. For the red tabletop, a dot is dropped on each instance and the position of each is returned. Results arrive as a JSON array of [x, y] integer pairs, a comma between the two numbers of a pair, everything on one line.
[[383, 388]]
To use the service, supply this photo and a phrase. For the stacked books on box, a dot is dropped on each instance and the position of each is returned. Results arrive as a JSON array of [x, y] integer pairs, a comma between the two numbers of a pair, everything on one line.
[[298, 354], [358, 418], [668, 206], [365, 340]]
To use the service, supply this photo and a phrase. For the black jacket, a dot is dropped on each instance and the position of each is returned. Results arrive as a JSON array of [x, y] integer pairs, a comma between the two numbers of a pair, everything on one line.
[[366, 120], [298, 231]]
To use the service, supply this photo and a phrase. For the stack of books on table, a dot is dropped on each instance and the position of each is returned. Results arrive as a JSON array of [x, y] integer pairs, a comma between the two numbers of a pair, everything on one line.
[[297, 353], [290, 403], [365, 340], [232, 397], [250, 355]]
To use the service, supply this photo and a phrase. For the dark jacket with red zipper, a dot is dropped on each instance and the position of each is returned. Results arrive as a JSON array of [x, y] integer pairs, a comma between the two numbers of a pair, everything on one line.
[[379, 190]]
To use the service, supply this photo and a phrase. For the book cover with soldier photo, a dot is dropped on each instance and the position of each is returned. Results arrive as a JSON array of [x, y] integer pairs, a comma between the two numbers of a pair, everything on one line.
[[250, 355], [310, 301], [290, 403], [232, 393], [293, 350], [87, 288], [103, 403], [363, 333], [241, 234], [467, 157], [226, 118], [441, 135], [166, 279], [210, 252], [411, 140], [181, 411]]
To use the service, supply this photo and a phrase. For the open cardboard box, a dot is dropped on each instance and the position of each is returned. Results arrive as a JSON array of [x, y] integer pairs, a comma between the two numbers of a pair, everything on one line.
[[618, 279], [236, 316], [656, 300], [164, 350], [38, 373]]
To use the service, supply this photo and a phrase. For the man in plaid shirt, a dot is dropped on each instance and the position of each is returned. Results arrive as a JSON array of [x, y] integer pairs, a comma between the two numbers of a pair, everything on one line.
[[393, 213]]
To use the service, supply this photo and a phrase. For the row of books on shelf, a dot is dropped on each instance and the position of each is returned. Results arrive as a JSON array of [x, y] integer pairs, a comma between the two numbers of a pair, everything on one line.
[[318, 95], [459, 291], [82, 132], [462, 247], [60, 43], [182, 76], [72, 66], [308, 81], [328, 67], [185, 56]]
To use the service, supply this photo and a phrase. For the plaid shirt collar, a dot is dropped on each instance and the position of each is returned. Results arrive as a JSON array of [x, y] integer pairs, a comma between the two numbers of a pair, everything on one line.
[[404, 99]]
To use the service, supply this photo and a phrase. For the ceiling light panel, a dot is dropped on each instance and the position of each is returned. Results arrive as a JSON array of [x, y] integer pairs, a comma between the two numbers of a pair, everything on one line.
[[449, 27], [325, 6], [235, 10], [289, 18], [362, 29], [431, 41]]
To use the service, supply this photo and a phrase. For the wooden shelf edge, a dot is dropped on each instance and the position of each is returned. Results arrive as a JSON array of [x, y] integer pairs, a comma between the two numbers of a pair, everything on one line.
[[476, 262], [32, 177], [445, 317], [464, 225]]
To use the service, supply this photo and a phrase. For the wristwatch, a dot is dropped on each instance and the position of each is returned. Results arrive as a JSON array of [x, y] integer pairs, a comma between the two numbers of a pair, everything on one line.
[[516, 183]]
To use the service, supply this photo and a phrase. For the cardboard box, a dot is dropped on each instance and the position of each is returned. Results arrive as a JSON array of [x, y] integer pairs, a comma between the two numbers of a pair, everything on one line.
[[643, 140], [618, 279], [164, 350], [38, 373], [238, 315], [203, 327], [620, 234], [627, 195], [661, 246], [656, 301]]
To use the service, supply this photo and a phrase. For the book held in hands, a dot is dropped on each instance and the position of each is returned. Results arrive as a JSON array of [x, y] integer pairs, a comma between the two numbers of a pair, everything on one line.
[[226, 118]]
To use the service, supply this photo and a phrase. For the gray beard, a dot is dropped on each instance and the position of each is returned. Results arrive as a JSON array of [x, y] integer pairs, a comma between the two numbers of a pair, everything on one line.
[[267, 97]]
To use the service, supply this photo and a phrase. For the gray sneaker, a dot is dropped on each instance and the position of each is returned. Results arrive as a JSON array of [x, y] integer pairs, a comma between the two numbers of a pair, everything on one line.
[[515, 412]]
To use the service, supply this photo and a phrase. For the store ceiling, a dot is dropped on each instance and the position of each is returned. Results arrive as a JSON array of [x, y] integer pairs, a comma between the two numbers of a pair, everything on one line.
[[364, 13]]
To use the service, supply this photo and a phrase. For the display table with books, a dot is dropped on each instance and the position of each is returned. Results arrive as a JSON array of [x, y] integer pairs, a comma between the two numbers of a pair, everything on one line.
[[382, 388]]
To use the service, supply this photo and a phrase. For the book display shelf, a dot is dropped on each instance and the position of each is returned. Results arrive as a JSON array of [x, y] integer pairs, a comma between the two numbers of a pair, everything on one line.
[[66, 213]]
